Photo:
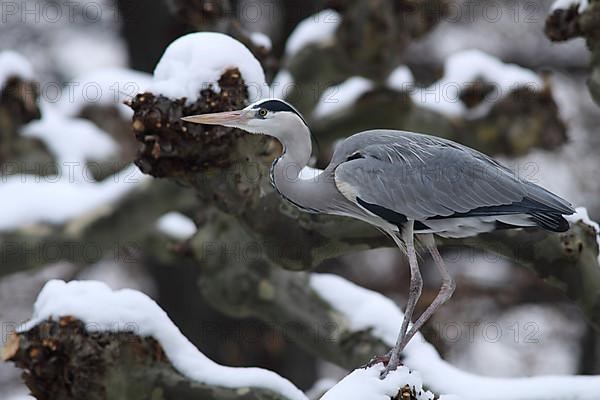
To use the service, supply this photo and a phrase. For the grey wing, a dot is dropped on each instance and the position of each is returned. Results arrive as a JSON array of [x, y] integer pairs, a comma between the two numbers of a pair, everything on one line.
[[429, 178]]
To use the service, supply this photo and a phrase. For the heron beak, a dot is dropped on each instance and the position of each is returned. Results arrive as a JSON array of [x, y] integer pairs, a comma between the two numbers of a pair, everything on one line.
[[227, 118]]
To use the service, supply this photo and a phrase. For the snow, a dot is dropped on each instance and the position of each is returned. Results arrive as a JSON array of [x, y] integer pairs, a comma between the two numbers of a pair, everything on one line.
[[513, 338], [63, 39], [260, 39], [105, 87], [103, 309], [364, 384], [365, 309], [317, 29], [18, 394], [71, 140], [18, 291], [176, 225], [196, 60], [29, 199], [339, 97], [282, 84], [401, 79], [117, 272], [484, 270], [13, 64], [319, 388], [78, 53], [566, 4], [581, 214], [464, 68], [441, 376]]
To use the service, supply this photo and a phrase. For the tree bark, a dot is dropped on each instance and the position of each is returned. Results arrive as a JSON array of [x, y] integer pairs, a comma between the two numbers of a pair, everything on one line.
[[565, 24], [115, 230], [61, 360]]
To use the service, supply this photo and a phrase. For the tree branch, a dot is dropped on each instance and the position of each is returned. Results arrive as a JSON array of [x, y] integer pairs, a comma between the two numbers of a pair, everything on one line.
[[98, 234], [129, 348], [62, 360], [230, 170], [568, 23], [533, 121], [20, 154]]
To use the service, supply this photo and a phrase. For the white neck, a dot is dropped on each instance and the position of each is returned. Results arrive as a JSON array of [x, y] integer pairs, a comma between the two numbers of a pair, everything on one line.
[[286, 169]]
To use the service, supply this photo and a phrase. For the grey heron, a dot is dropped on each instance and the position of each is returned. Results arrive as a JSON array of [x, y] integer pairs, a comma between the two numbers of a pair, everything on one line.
[[403, 183]]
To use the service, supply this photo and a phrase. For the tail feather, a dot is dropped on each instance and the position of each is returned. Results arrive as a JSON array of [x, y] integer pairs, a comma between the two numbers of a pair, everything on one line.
[[551, 221], [547, 209], [548, 201]]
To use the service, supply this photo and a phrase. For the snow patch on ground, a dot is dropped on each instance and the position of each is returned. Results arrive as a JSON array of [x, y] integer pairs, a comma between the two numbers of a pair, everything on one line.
[[30, 199], [365, 309], [103, 87], [184, 69], [13, 64], [318, 28], [342, 96], [176, 225], [104, 309], [462, 69]]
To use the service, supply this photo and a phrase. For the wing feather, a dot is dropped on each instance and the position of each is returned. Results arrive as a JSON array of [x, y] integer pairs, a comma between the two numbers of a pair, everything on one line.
[[423, 177]]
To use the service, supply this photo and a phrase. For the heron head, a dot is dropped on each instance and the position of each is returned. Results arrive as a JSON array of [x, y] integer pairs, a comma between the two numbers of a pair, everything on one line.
[[271, 117]]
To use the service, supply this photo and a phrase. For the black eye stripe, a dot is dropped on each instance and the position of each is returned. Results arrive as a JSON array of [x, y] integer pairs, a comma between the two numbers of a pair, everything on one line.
[[278, 105]]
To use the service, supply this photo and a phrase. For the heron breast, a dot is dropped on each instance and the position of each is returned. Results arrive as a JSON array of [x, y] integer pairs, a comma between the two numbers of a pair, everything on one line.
[[347, 190]]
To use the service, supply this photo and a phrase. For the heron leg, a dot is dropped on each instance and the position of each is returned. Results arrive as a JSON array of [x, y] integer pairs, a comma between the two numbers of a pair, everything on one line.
[[416, 286], [446, 290]]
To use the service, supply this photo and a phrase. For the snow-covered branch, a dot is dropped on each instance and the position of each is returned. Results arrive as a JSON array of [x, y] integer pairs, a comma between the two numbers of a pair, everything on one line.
[[217, 16], [365, 310], [96, 219], [568, 261], [85, 340], [230, 171], [570, 19], [347, 325], [18, 105]]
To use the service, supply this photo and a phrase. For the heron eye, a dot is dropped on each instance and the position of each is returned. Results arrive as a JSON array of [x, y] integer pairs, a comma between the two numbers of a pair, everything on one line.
[[262, 112]]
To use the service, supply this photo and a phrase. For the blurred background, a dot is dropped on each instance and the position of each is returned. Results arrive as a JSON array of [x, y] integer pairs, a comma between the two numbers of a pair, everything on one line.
[[369, 64]]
